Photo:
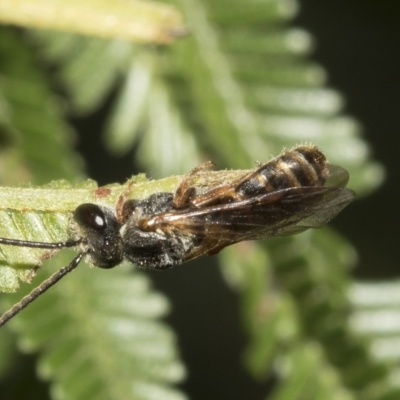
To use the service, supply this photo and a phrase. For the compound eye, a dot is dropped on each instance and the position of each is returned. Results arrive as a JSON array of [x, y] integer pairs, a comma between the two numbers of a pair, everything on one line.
[[90, 216]]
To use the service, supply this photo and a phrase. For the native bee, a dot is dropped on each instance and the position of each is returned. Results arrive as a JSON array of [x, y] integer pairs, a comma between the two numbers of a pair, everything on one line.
[[293, 192], [287, 195]]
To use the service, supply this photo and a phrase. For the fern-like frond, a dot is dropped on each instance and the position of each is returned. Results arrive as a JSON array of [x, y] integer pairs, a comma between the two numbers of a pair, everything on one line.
[[144, 111], [88, 67], [41, 215], [257, 89], [99, 336], [303, 303], [376, 317], [299, 366], [35, 132], [119, 348], [245, 89], [44, 214]]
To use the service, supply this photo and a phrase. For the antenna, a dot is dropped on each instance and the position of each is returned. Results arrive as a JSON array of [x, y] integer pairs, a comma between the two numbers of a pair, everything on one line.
[[48, 283]]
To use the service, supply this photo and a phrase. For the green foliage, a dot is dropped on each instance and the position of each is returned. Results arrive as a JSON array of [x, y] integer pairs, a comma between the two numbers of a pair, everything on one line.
[[128, 353], [237, 89], [132, 20], [376, 318], [32, 121], [43, 214], [104, 343]]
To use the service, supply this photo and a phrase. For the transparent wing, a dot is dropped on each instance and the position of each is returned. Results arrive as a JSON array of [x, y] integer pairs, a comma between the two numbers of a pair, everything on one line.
[[282, 212]]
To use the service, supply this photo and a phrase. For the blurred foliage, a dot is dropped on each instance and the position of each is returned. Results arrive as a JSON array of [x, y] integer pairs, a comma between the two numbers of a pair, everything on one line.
[[141, 21], [239, 88]]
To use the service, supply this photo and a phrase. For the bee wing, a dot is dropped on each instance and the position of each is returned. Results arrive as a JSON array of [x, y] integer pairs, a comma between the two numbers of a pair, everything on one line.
[[337, 177], [318, 210], [279, 213]]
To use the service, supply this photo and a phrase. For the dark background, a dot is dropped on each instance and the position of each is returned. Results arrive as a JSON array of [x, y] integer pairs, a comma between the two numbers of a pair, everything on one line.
[[358, 43]]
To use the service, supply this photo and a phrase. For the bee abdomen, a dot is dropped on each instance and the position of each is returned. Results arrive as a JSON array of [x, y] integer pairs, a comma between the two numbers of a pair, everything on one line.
[[300, 167]]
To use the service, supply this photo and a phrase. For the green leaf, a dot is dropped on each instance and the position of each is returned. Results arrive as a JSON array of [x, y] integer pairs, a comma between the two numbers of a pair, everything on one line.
[[227, 77], [299, 368], [37, 136], [79, 57], [167, 143], [98, 336], [377, 306], [129, 111], [103, 340], [241, 90], [132, 20], [44, 214]]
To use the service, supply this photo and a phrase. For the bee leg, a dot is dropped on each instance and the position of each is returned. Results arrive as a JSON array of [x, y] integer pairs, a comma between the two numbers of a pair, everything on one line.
[[217, 248], [119, 209], [207, 247], [225, 193], [186, 192]]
